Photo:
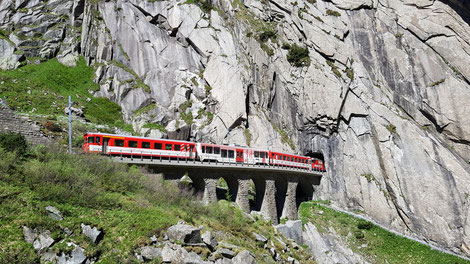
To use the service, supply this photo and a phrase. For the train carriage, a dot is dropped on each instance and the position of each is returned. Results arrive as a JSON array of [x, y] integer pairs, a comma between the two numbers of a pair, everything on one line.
[[117, 145], [289, 160]]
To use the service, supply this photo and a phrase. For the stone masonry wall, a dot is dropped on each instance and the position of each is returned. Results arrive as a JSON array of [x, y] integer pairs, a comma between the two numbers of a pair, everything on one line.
[[11, 122]]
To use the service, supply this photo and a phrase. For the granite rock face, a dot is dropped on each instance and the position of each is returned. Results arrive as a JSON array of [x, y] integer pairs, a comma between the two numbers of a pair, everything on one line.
[[382, 96]]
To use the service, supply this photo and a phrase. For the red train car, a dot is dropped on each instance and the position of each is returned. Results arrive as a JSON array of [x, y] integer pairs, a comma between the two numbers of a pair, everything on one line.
[[110, 144]]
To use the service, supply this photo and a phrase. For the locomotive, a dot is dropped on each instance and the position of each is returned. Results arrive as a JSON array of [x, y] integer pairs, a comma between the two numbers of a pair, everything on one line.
[[118, 145]]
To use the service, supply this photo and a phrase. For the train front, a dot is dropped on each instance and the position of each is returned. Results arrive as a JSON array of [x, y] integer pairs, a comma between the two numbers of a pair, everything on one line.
[[91, 143]]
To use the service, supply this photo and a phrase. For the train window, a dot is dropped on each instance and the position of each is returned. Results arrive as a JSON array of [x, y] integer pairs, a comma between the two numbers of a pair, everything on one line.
[[209, 150], [223, 153], [157, 146], [295, 159], [91, 139], [145, 144], [168, 146], [256, 154], [216, 150], [98, 140], [177, 147], [241, 154], [203, 149], [119, 143], [231, 154], [262, 155], [133, 144], [283, 157]]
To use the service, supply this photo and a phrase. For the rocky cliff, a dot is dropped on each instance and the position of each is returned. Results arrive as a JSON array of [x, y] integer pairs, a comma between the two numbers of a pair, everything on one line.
[[377, 88]]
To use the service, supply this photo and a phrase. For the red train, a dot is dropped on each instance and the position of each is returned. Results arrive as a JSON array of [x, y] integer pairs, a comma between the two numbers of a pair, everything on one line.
[[116, 145]]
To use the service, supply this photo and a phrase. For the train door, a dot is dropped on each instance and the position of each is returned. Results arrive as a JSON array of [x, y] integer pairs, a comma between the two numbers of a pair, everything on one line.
[[191, 150], [239, 157], [104, 149]]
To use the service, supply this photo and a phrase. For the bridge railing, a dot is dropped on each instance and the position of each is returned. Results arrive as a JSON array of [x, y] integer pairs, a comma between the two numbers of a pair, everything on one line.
[[154, 157]]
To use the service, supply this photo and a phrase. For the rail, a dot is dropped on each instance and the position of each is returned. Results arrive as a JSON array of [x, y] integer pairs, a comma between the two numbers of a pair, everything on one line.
[[141, 157]]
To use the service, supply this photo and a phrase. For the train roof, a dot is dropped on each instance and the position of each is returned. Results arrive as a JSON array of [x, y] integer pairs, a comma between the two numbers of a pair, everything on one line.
[[115, 135]]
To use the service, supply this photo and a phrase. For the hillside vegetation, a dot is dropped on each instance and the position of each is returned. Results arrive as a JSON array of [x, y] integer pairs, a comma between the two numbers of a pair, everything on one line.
[[128, 206], [43, 89], [374, 243]]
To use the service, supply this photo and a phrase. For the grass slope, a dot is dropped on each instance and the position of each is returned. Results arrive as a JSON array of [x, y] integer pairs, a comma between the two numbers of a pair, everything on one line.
[[44, 89], [127, 205], [382, 245]]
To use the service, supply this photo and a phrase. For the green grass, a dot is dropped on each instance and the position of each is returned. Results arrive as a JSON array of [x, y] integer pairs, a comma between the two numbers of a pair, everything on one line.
[[187, 117], [391, 128], [44, 89], [156, 126], [248, 136], [382, 245], [334, 68], [437, 82], [127, 205], [332, 13]]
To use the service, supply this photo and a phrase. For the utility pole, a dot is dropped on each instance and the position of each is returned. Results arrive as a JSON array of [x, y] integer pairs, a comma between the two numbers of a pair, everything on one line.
[[70, 124]]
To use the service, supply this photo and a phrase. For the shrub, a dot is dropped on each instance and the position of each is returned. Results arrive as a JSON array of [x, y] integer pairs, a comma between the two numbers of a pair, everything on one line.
[[85, 180], [51, 126], [363, 224], [14, 142], [358, 234], [332, 13], [298, 56], [391, 128], [266, 34]]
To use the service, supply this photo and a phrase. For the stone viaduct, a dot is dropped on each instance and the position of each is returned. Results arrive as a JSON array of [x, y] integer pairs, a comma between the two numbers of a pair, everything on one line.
[[278, 190]]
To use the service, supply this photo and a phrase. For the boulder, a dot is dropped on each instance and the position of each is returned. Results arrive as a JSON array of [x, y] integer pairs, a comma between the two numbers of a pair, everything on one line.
[[8, 58], [177, 254], [260, 238], [223, 261], [209, 240], [75, 111], [184, 233], [77, 256], [43, 241], [93, 234], [225, 252], [54, 213], [149, 253], [29, 234], [244, 257], [291, 229]]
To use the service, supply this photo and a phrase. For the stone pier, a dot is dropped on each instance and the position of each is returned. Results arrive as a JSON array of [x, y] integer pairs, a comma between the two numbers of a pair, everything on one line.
[[290, 204], [276, 195]]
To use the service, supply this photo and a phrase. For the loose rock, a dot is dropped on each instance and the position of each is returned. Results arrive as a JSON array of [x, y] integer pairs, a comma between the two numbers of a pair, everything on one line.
[[244, 257], [292, 230], [149, 253], [184, 233], [54, 213], [92, 233], [260, 238], [209, 240]]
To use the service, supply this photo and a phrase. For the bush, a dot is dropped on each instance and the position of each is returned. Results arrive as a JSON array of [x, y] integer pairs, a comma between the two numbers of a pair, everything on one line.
[[298, 56], [363, 224], [332, 13], [86, 180], [14, 142], [358, 234], [266, 34]]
